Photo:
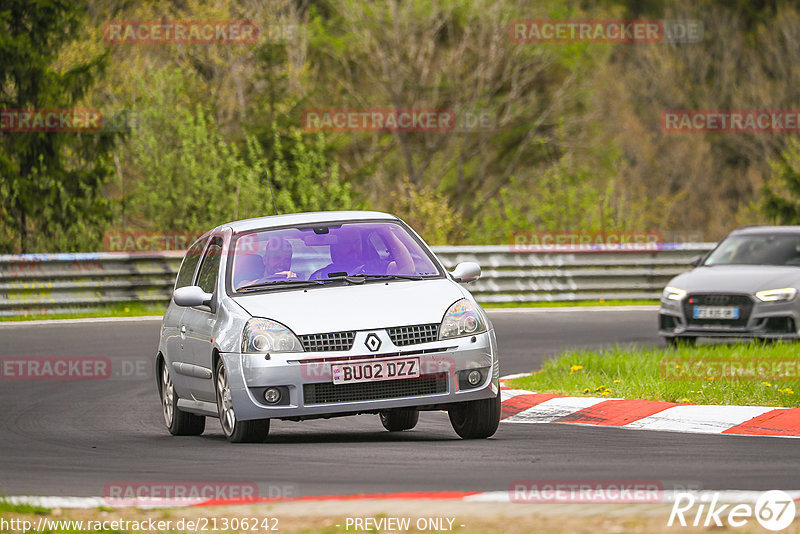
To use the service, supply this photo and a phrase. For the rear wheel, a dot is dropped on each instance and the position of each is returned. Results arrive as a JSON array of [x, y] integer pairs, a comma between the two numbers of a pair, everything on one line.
[[476, 419], [236, 431], [400, 419], [179, 423]]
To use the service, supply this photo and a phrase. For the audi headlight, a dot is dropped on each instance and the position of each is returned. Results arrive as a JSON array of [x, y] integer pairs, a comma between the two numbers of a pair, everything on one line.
[[777, 295], [673, 293], [263, 335], [462, 319]]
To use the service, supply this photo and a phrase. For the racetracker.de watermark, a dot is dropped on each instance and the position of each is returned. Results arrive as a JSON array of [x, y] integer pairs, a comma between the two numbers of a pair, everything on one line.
[[180, 32], [162, 493], [378, 120], [61, 368], [606, 31], [147, 241], [322, 370], [50, 120], [584, 241], [730, 121], [689, 368], [55, 368], [586, 491]]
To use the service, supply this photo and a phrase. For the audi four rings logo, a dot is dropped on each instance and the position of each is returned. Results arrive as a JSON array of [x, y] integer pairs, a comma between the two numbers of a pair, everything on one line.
[[372, 342]]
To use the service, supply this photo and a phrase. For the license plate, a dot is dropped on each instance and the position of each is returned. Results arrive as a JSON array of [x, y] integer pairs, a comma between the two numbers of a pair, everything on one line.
[[716, 312], [374, 370]]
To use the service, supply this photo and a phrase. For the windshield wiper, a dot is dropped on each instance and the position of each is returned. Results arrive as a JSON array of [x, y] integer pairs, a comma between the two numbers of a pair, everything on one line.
[[390, 276], [273, 283]]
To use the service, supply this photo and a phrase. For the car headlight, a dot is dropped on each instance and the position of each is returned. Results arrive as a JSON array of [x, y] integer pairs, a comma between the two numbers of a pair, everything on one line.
[[777, 295], [263, 335], [673, 293], [462, 319]]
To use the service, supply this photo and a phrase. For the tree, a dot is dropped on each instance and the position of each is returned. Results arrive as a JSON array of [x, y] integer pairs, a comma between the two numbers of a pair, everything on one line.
[[183, 175], [50, 182], [781, 194]]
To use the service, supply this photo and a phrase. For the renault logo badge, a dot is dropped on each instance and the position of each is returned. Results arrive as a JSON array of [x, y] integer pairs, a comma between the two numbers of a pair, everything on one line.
[[373, 343]]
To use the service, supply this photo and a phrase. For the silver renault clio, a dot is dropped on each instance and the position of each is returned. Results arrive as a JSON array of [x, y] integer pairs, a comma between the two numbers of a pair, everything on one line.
[[323, 314]]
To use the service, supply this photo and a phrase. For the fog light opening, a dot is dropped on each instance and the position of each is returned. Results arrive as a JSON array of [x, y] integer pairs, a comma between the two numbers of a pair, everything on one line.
[[474, 378], [272, 395]]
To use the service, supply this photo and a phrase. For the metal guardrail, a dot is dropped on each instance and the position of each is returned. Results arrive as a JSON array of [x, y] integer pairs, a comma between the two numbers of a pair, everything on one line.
[[64, 283]]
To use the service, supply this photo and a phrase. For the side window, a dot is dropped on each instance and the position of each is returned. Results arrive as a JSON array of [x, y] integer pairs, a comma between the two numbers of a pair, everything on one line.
[[209, 269], [189, 264]]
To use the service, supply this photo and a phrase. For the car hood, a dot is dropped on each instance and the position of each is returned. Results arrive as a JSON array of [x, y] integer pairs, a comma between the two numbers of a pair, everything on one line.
[[355, 307], [737, 278]]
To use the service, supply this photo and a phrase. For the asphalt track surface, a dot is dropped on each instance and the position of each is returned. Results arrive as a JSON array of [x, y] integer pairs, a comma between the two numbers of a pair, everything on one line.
[[72, 438]]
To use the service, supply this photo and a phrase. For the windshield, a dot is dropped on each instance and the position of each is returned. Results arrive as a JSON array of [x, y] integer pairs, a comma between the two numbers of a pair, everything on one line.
[[757, 250], [275, 258]]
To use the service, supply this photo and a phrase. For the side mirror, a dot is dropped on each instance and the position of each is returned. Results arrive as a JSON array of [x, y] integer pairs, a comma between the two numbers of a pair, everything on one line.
[[696, 261], [467, 272], [191, 296]]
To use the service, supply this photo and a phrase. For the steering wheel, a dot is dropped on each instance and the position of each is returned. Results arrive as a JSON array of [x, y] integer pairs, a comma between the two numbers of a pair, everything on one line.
[[271, 278]]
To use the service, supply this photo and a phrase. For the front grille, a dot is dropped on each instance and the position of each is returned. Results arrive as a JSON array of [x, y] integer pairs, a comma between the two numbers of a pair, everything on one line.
[[327, 392], [411, 335], [328, 342], [744, 303]]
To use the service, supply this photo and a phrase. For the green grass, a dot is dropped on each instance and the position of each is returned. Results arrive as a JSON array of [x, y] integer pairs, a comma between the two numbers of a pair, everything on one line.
[[9, 508], [563, 304], [640, 374], [122, 309]]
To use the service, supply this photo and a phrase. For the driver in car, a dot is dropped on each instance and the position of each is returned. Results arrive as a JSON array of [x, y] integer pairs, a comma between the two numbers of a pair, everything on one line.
[[278, 259], [277, 262], [347, 255]]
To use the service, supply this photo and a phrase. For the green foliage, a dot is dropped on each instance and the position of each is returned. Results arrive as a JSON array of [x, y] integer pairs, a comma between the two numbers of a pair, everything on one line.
[[781, 194], [185, 175], [576, 142], [428, 212], [51, 183]]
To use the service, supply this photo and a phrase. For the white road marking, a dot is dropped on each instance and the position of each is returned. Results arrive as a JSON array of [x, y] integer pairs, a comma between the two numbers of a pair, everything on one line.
[[703, 419], [550, 410]]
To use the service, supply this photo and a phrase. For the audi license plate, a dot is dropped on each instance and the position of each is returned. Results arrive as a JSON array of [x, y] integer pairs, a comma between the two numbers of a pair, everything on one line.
[[716, 312], [367, 371]]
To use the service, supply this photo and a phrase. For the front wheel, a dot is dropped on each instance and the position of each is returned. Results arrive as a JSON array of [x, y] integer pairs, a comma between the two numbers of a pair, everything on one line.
[[236, 431], [400, 419], [476, 419], [178, 423]]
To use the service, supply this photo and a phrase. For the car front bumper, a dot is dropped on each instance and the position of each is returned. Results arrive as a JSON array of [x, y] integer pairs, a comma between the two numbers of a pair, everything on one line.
[[767, 320], [305, 379]]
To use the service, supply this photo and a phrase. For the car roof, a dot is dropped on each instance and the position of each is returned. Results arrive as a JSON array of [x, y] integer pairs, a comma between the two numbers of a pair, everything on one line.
[[289, 219], [760, 230]]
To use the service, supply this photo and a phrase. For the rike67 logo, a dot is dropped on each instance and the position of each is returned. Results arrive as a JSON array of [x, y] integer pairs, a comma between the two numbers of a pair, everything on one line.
[[773, 510]]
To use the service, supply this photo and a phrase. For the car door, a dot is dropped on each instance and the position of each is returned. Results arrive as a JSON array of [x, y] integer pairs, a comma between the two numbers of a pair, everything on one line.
[[173, 328], [199, 322]]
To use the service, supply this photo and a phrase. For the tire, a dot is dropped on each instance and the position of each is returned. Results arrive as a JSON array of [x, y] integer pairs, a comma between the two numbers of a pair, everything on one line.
[[677, 341], [400, 419], [178, 423], [476, 419], [236, 431]]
